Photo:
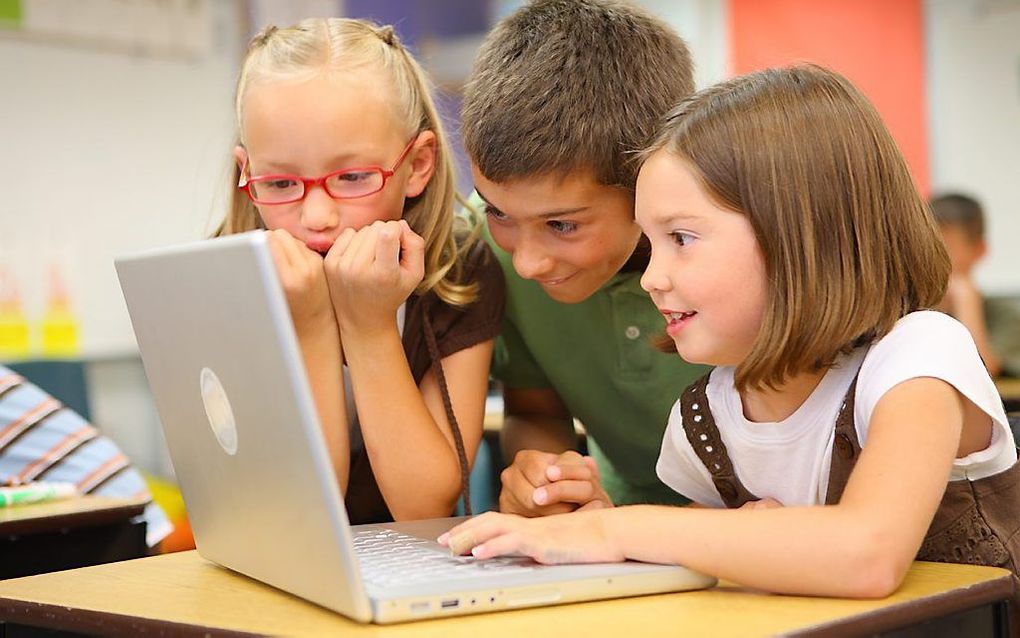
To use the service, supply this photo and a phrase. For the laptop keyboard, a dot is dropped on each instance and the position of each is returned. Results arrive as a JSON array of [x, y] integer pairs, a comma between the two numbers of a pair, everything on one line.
[[389, 558]]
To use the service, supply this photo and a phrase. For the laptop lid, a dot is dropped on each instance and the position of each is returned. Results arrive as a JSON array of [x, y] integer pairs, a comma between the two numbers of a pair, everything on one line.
[[219, 350]]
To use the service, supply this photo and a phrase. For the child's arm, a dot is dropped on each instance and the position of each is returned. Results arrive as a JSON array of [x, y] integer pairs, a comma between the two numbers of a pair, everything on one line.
[[304, 282], [407, 436], [859, 548], [967, 306]]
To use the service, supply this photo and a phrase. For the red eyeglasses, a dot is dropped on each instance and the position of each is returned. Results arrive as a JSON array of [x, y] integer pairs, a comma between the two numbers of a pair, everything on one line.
[[347, 183]]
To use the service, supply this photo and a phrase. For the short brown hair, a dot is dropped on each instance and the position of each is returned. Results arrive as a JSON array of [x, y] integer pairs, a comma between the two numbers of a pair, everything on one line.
[[849, 245], [955, 209], [572, 84]]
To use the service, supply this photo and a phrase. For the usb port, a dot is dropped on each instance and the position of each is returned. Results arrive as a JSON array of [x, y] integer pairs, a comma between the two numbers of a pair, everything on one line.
[[452, 603]]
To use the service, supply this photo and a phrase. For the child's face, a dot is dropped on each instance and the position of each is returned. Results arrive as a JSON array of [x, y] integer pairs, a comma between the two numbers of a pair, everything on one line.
[[568, 233], [706, 273], [312, 127], [964, 252]]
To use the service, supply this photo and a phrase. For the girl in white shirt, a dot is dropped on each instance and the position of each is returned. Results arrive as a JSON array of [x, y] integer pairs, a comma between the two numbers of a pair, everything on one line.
[[847, 429]]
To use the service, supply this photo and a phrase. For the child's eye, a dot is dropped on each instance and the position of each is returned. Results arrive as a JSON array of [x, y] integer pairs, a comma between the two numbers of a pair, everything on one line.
[[355, 176], [681, 238], [562, 227], [495, 213], [278, 184]]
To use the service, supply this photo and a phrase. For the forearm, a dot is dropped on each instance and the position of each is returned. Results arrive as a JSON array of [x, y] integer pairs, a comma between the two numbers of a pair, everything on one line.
[[415, 467], [533, 432], [824, 551], [969, 310], [323, 354]]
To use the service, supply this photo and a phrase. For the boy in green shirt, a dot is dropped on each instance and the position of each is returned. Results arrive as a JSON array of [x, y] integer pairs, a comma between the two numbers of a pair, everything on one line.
[[561, 94]]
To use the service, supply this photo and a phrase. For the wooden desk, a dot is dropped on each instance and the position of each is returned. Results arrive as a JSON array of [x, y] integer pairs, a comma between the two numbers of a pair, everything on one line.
[[69, 533], [182, 594]]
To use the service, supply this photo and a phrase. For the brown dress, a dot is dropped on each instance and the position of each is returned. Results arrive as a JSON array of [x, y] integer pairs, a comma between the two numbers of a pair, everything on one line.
[[433, 330], [976, 522]]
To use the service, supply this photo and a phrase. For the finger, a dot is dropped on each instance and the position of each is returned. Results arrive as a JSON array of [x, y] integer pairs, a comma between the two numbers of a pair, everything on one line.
[[387, 246], [596, 504], [578, 492], [594, 467], [532, 465], [412, 249], [362, 248], [341, 244], [517, 497], [508, 544], [569, 472]]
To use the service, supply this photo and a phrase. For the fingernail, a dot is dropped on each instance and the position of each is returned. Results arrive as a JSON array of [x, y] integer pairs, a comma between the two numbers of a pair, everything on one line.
[[539, 496], [442, 538], [553, 472], [477, 550]]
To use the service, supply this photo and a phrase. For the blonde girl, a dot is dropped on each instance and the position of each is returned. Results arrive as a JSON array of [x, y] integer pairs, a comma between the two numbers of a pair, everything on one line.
[[342, 159], [847, 430]]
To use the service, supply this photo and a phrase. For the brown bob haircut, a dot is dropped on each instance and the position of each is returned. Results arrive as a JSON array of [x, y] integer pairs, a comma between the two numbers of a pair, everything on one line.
[[564, 85], [849, 245]]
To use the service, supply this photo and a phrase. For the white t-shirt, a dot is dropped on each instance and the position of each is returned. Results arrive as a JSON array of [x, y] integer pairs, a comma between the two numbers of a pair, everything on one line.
[[789, 460]]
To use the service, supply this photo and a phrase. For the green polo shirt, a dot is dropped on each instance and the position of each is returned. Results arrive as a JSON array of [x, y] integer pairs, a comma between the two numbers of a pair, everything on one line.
[[598, 358]]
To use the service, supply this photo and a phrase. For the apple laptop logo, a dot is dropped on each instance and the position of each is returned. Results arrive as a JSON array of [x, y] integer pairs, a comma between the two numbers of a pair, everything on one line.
[[218, 411]]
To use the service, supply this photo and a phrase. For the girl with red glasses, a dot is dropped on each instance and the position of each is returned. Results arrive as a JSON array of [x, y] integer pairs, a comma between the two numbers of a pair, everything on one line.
[[343, 160]]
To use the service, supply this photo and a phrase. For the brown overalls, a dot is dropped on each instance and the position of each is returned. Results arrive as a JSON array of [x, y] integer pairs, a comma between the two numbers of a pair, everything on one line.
[[976, 522]]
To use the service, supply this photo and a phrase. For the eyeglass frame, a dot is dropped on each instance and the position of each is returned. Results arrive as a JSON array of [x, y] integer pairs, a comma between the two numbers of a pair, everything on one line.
[[309, 182]]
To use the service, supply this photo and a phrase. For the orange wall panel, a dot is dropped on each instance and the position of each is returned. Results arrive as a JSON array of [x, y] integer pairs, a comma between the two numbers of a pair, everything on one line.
[[878, 44]]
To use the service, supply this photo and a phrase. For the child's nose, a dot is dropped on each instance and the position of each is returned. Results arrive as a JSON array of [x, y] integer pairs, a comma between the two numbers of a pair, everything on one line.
[[319, 211], [654, 278], [530, 262]]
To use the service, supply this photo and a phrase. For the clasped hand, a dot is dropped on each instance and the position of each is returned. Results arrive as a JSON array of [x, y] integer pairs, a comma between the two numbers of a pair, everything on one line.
[[361, 281]]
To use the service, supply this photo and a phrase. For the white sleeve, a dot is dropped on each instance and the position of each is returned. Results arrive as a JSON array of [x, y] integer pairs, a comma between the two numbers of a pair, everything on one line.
[[932, 344], [681, 469]]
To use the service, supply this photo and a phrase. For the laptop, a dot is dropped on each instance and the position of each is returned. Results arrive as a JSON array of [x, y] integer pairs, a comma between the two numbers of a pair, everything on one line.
[[223, 363]]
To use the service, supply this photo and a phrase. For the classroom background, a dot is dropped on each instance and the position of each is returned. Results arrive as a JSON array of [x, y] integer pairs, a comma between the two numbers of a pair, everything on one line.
[[116, 124]]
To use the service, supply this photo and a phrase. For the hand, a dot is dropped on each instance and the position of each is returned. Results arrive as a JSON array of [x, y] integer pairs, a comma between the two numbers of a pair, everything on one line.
[[961, 295], [301, 273], [541, 484], [372, 271], [763, 504], [580, 537]]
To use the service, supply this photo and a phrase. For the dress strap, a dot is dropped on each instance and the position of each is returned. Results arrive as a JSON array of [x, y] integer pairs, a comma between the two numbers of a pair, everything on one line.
[[703, 434], [845, 447]]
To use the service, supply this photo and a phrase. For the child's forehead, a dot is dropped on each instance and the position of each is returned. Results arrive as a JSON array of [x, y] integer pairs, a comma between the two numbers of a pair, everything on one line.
[[550, 191]]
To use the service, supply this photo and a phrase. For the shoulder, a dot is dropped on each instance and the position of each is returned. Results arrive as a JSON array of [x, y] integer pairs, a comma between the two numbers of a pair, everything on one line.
[[925, 344]]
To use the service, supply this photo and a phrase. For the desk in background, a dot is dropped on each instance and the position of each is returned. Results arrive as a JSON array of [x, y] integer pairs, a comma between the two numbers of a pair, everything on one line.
[[182, 594], [69, 533], [1009, 390]]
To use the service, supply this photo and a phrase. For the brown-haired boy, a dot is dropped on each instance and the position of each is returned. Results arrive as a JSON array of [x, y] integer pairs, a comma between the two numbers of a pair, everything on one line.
[[561, 94], [994, 324]]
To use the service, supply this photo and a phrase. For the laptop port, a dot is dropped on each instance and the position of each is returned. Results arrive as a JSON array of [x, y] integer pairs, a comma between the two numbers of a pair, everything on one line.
[[452, 603], [421, 607]]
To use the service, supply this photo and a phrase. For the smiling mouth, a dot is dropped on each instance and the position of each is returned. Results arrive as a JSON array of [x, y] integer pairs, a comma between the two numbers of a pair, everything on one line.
[[554, 282]]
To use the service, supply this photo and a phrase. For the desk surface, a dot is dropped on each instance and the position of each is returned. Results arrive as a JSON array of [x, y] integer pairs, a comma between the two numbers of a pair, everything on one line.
[[65, 513], [183, 594], [1008, 388]]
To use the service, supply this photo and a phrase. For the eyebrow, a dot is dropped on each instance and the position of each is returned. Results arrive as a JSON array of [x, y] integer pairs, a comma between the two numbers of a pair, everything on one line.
[[344, 160], [546, 215]]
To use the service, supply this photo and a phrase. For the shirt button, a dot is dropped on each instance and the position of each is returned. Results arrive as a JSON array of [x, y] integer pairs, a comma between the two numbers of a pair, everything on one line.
[[632, 332]]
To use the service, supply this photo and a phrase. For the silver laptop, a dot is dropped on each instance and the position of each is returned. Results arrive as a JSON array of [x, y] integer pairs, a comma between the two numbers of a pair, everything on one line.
[[226, 372]]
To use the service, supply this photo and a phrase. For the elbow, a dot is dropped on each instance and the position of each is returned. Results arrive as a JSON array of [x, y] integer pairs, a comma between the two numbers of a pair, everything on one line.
[[439, 503], [875, 570]]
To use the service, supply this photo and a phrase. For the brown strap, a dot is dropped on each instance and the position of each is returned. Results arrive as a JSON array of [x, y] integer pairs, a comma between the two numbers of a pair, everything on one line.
[[845, 448], [703, 434], [458, 440]]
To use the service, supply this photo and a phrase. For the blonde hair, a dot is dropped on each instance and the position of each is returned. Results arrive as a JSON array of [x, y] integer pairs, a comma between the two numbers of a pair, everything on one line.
[[318, 45], [849, 246]]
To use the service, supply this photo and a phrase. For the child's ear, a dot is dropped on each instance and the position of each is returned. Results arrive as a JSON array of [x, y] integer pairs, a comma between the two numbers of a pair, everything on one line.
[[240, 156], [423, 158]]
